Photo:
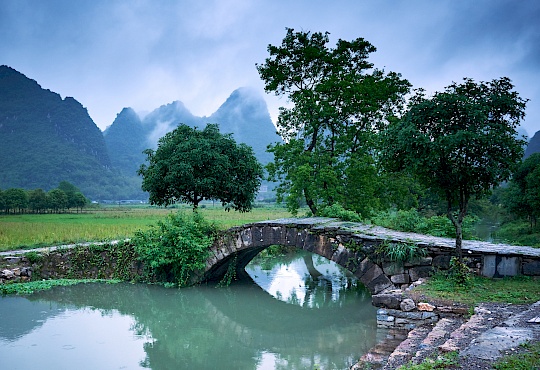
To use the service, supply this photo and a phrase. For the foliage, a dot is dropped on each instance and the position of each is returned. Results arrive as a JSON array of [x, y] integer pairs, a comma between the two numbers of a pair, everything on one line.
[[399, 252], [515, 290], [191, 165], [57, 200], [522, 197], [458, 273], [94, 261], [461, 142], [518, 232], [37, 200], [176, 247], [339, 103], [413, 221], [444, 361], [15, 200], [526, 360], [36, 286], [33, 257], [337, 211]]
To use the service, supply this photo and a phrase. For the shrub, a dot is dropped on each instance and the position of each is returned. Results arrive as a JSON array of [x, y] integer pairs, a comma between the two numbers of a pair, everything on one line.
[[399, 252], [337, 211], [175, 248], [413, 221]]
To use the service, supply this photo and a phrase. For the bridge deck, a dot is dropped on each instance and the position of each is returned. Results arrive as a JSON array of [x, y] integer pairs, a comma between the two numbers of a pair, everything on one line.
[[381, 233]]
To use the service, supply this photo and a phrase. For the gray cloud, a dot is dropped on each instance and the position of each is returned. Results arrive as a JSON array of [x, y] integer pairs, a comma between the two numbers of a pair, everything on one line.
[[146, 53]]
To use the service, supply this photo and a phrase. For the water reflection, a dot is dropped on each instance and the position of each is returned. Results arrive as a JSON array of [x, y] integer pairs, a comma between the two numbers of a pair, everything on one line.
[[241, 327], [306, 279]]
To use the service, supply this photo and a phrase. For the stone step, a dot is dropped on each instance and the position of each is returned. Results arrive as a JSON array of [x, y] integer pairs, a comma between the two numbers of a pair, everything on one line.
[[436, 337], [406, 349], [378, 355], [519, 327], [482, 320]]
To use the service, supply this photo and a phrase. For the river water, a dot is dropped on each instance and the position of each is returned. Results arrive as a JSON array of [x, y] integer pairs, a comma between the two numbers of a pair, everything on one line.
[[296, 312]]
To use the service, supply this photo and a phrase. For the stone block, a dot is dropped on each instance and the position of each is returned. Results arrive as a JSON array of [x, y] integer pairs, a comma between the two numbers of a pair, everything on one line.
[[495, 266], [531, 268], [245, 237], [7, 274], [378, 284], [257, 236], [363, 267], [400, 279], [393, 268], [489, 265], [419, 261], [12, 259], [291, 236], [342, 255], [442, 261], [385, 318], [420, 272], [414, 315], [407, 305], [509, 266], [386, 300], [423, 306]]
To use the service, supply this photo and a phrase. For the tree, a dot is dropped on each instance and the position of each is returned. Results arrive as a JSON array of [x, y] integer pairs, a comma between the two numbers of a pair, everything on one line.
[[191, 165], [37, 200], [57, 200], [78, 200], [522, 197], [339, 103], [2, 201], [15, 199], [460, 143]]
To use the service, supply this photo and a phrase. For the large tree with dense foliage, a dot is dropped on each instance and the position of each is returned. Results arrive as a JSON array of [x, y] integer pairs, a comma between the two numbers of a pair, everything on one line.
[[522, 196], [37, 200], [339, 101], [57, 200], [190, 165], [460, 142], [15, 199]]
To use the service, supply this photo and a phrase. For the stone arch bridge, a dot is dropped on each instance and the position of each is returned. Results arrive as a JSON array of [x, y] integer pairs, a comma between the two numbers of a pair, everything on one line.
[[354, 246]]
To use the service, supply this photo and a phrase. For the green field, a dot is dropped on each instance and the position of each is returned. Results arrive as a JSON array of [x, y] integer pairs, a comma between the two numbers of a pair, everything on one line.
[[108, 223]]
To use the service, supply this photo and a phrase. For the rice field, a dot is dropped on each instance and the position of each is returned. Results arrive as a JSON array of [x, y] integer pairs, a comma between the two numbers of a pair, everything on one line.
[[108, 223]]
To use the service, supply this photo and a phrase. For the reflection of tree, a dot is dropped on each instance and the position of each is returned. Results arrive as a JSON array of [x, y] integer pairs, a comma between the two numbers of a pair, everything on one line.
[[308, 260]]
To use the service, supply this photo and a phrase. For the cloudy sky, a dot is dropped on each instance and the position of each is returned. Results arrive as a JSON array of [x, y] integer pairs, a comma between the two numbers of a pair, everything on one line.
[[111, 54]]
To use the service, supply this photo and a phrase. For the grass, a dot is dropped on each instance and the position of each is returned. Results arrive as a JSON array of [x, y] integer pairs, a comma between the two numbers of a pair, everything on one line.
[[515, 290], [441, 362], [35, 286], [527, 360], [108, 223]]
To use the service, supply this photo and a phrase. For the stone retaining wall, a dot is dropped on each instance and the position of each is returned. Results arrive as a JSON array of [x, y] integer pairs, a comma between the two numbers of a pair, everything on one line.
[[399, 310], [103, 261]]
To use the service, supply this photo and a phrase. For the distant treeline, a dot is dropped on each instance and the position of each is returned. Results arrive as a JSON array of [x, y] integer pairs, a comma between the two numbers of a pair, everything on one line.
[[61, 199]]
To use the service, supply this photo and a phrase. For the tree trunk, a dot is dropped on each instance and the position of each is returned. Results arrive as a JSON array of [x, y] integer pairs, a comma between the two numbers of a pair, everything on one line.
[[310, 202], [458, 223], [459, 241]]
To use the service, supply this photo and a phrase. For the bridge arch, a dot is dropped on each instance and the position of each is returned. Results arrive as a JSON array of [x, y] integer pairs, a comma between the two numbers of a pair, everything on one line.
[[238, 246]]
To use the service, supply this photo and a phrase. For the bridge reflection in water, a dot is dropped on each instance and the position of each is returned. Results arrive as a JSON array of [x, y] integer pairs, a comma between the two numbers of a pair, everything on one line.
[[204, 327]]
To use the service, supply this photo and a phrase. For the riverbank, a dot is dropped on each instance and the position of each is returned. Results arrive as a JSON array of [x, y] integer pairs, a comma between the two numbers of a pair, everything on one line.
[[494, 330]]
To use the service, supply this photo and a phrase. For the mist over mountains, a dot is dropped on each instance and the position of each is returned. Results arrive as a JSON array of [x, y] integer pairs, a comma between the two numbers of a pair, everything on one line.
[[45, 139], [244, 115]]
